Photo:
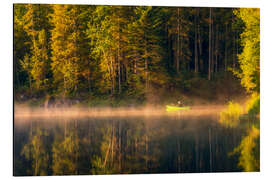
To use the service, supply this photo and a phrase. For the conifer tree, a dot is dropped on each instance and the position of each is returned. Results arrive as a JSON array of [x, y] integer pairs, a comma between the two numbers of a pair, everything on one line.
[[107, 35], [40, 60], [129, 50], [35, 21], [179, 27], [146, 42], [21, 45], [68, 47]]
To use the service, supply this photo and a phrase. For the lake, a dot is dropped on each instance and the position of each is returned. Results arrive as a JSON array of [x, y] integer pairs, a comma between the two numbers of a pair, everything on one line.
[[113, 141]]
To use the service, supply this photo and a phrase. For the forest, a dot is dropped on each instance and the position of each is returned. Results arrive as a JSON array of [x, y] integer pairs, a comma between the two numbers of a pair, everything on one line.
[[128, 55], [101, 56]]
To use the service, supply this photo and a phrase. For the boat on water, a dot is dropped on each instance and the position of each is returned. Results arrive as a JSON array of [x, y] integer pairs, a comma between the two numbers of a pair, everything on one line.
[[176, 108]]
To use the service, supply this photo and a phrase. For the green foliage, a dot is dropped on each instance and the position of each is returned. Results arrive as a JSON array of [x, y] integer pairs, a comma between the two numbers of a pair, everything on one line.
[[37, 66], [32, 19], [230, 116], [21, 45], [98, 166], [147, 46], [69, 47], [135, 51], [253, 105], [40, 61], [249, 59], [26, 64]]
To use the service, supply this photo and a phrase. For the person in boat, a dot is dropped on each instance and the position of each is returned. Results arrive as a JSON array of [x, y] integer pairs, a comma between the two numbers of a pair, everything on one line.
[[179, 104]]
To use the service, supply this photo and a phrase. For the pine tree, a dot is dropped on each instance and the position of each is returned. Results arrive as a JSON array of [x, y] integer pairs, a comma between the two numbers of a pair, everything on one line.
[[27, 67], [107, 35], [179, 28], [69, 54], [83, 50], [40, 61], [21, 45], [35, 21], [146, 44]]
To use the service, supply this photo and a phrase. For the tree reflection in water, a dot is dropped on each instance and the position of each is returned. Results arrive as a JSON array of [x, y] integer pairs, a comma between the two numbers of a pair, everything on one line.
[[125, 145], [248, 150]]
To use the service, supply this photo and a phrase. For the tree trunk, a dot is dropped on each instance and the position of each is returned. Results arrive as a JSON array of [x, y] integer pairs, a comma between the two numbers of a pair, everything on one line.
[[233, 50], [113, 75], [146, 74], [200, 49], [213, 44], [236, 43], [195, 43], [118, 57], [16, 70], [135, 66], [126, 67], [65, 86], [146, 66], [209, 56], [89, 83], [216, 52], [226, 56], [233, 34], [168, 46], [178, 34]]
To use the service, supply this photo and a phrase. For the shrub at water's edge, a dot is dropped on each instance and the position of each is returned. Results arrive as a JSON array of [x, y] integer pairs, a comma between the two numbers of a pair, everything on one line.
[[230, 116], [253, 105]]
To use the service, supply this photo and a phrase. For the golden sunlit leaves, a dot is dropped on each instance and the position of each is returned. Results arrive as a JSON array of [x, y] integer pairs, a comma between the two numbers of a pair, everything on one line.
[[230, 116], [249, 59]]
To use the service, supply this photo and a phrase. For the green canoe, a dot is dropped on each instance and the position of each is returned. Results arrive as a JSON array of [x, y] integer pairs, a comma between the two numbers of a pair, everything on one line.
[[176, 108]]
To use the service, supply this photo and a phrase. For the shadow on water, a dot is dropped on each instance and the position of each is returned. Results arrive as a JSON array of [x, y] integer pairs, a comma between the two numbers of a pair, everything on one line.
[[104, 145]]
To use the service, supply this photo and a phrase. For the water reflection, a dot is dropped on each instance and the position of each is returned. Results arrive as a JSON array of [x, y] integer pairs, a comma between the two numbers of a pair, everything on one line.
[[36, 151], [124, 145], [249, 159], [248, 150]]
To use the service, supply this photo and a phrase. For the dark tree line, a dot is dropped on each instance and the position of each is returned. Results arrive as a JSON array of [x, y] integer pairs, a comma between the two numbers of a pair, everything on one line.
[[77, 49]]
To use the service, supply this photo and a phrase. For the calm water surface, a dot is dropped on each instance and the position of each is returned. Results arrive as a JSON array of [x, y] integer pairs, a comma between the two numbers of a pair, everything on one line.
[[127, 144]]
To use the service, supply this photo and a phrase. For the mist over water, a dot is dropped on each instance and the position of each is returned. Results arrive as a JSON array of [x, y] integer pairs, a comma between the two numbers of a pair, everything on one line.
[[73, 112], [122, 140]]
